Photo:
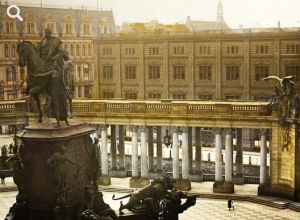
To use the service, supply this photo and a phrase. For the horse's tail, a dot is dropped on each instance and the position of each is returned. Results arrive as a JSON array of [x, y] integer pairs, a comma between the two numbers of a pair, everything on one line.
[[123, 197]]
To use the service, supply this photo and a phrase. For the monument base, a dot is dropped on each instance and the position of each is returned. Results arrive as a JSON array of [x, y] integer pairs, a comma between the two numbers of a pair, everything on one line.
[[118, 173], [153, 174], [263, 190], [134, 182], [238, 179], [144, 182], [196, 177], [104, 180], [183, 184], [223, 187]]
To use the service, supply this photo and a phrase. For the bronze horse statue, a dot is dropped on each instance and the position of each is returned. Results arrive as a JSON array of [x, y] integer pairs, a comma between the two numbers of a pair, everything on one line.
[[29, 56]]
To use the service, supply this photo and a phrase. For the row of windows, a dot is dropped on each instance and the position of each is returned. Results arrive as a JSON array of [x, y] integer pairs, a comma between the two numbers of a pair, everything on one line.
[[262, 49], [107, 50], [204, 49], [130, 50], [232, 49], [205, 72], [9, 27], [155, 95], [6, 50], [292, 48], [85, 51], [11, 74], [153, 50]]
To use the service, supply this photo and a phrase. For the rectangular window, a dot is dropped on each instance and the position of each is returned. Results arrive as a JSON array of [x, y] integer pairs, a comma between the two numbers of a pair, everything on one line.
[[297, 48], [178, 50], [154, 96], [205, 97], [205, 49], [205, 72], [107, 72], [293, 71], [153, 50], [232, 49], [261, 72], [179, 96], [179, 72], [108, 95], [130, 72], [154, 72], [232, 73], [262, 98], [288, 48], [130, 95], [232, 97], [130, 50]]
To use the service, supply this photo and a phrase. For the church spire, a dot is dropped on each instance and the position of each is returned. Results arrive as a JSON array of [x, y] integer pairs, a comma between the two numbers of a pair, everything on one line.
[[220, 12]]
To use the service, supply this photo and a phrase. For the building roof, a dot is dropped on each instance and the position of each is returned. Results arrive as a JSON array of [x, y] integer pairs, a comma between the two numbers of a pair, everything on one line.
[[205, 25]]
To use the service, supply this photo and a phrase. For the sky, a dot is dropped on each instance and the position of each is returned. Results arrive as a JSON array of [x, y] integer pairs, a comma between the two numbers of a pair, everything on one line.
[[249, 13]]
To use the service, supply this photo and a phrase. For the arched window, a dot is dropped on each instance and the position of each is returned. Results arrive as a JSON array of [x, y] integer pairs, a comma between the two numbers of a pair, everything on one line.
[[84, 29], [11, 27], [89, 50], [88, 29], [66, 47], [13, 50], [83, 49], [86, 71], [105, 29], [77, 50], [11, 73], [67, 29], [7, 27], [6, 50], [72, 50], [28, 28]]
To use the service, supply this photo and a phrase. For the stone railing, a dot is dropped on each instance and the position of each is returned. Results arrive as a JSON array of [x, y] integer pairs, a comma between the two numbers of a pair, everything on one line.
[[153, 107]]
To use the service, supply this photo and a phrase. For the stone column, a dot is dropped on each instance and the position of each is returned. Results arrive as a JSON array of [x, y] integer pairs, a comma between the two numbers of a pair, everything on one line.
[[113, 150], [134, 181], [185, 183], [175, 155], [104, 178], [150, 149], [82, 92], [190, 148], [218, 159], [228, 156], [121, 147], [263, 159], [238, 179], [197, 176], [76, 91], [4, 129], [144, 166], [159, 160]]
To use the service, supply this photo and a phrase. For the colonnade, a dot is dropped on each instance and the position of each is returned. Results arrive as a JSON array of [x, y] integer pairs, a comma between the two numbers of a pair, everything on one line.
[[186, 173]]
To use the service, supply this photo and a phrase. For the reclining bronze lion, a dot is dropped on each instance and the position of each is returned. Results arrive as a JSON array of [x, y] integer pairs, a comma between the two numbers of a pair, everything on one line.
[[155, 190]]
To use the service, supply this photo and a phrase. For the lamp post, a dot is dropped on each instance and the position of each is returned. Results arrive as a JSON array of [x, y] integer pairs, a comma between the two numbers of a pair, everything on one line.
[[167, 141]]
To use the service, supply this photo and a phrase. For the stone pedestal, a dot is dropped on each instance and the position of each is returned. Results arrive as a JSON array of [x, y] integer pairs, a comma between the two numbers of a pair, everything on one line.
[[69, 170], [238, 179], [264, 190], [196, 177], [153, 174], [223, 187], [134, 182], [118, 173], [184, 185], [104, 180]]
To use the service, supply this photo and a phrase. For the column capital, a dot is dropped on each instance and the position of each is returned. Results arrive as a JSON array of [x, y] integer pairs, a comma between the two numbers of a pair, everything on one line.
[[143, 129], [174, 129], [263, 132], [228, 131], [219, 132], [133, 128], [103, 127], [184, 129]]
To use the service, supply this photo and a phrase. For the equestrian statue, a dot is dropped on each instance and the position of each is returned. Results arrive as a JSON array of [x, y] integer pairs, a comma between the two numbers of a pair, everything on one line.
[[48, 74]]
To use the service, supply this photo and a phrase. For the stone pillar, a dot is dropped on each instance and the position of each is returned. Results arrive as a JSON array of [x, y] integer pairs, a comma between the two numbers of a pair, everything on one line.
[[121, 147], [159, 160], [263, 159], [190, 148], [150, 149], [218, 159], [228, 156], [76, 91], [82, 92], [197, 176], [175, 155], [104, 178], [4, 129], [134, 181], [144, 166], [113, 149], [185, 184], [238, 179]]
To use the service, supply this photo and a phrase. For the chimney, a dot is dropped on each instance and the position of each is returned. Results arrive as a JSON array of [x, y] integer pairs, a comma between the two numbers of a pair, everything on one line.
[[241, 26], [278, 24]]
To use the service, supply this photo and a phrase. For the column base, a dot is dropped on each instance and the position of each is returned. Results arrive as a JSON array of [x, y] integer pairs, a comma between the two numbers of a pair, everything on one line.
[[238, 179], [196, 177], [104, 180], [144, 181], [264, 190], [119, 173], [223, 187], [134, 182], [153, 174], [183, 184]]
